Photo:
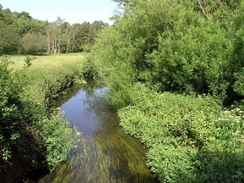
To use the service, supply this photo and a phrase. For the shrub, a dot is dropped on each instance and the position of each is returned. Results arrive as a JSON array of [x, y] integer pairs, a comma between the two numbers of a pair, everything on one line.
[[190, 138], [89, 70], [28, 61], [21, 113], [57, 138], [11, 108]]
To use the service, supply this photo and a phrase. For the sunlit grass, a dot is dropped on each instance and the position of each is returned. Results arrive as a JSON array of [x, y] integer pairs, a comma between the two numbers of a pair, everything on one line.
[[46, 67], [47, 62]]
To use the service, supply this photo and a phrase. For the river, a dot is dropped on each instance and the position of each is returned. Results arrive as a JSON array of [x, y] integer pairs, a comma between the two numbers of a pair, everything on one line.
[[103, 153]]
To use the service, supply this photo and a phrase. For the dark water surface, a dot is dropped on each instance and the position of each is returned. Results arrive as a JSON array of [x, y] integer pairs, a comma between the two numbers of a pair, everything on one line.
[[103, 153]]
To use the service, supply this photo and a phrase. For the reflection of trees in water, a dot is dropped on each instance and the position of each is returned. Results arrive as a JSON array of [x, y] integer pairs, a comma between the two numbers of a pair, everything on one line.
[[109, 155], [126, 154], [66, 95]]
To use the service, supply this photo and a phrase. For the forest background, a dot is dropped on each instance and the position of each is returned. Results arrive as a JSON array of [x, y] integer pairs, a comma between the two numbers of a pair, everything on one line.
[[22, 34]]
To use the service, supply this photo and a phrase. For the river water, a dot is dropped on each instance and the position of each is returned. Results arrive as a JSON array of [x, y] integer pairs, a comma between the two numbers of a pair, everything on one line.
[[103, 153]]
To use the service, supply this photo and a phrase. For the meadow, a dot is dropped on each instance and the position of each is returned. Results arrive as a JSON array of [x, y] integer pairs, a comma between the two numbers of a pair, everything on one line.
[[47, 69]]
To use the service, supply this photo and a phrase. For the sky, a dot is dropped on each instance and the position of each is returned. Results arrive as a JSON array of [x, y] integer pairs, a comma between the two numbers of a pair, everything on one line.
[[72, 11]]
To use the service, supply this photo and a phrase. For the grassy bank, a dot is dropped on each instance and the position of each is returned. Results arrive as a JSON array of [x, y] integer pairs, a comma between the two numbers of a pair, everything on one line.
[[28, 132]]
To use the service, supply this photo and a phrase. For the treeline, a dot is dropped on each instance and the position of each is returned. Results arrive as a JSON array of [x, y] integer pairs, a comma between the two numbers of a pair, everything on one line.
[[171, 68], [22, 34]]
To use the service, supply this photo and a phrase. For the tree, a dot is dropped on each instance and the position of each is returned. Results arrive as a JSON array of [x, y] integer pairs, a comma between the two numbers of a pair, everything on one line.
[[25, 14], [68, 33], [26, 25], [122, 2], [59, 23], [53, 33], [1, 7], [34, 43], [171, 45], [9, 39], [52, 37]]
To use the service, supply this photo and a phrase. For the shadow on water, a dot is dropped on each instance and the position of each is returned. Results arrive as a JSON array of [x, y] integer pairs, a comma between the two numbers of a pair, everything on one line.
[[103, 153]]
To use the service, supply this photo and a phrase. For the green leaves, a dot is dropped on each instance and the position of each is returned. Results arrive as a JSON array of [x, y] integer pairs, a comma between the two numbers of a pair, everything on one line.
[[10, 108], [188, 47], [190, 139], [58, 139], [172, 164]]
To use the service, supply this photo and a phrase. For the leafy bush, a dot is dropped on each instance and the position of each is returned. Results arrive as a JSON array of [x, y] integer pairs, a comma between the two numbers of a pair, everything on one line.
[[184, 134], [89, 70], [173, 164], [175, 46], [57, 137], [239, 83], [11, 108], [21, 114], [28, 61], [53, 86]]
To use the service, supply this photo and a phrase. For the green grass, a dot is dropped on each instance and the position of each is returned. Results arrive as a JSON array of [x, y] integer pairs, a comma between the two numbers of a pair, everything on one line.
[[46, 68], [41, 62]]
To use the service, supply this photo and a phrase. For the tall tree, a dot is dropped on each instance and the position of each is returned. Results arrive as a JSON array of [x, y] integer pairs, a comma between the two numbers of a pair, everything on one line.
[[59, 23], [9, 39]]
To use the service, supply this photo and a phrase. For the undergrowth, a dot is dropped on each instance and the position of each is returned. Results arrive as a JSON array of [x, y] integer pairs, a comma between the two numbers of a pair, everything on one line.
[[26, 95], [190, 138]]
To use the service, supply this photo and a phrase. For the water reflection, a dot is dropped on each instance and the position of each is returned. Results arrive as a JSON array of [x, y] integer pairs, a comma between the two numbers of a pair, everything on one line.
[[104, 153]]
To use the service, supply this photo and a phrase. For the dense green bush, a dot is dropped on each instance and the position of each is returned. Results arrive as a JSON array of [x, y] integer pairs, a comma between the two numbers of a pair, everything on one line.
[[11, 108], [89, 71], [52, 87], [190, 139], [177, 46], [20, 114], [56, 138], [34, 43]]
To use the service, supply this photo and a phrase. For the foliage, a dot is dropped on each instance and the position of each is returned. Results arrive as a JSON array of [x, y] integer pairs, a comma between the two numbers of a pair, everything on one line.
[[184, 47], [28, 61], [236, 65], [190, 139], [23, 111], [53, 86], [57, 137], [33, 43], [88, 70], [11, 108], [239, 83], [9, 39]]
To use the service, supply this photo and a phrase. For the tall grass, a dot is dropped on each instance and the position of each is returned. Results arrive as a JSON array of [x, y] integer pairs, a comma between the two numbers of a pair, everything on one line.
[[47, 69]]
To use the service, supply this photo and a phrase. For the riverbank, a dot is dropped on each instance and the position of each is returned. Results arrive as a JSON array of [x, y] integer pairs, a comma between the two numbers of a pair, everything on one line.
[[51, 137], [190, 138]]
